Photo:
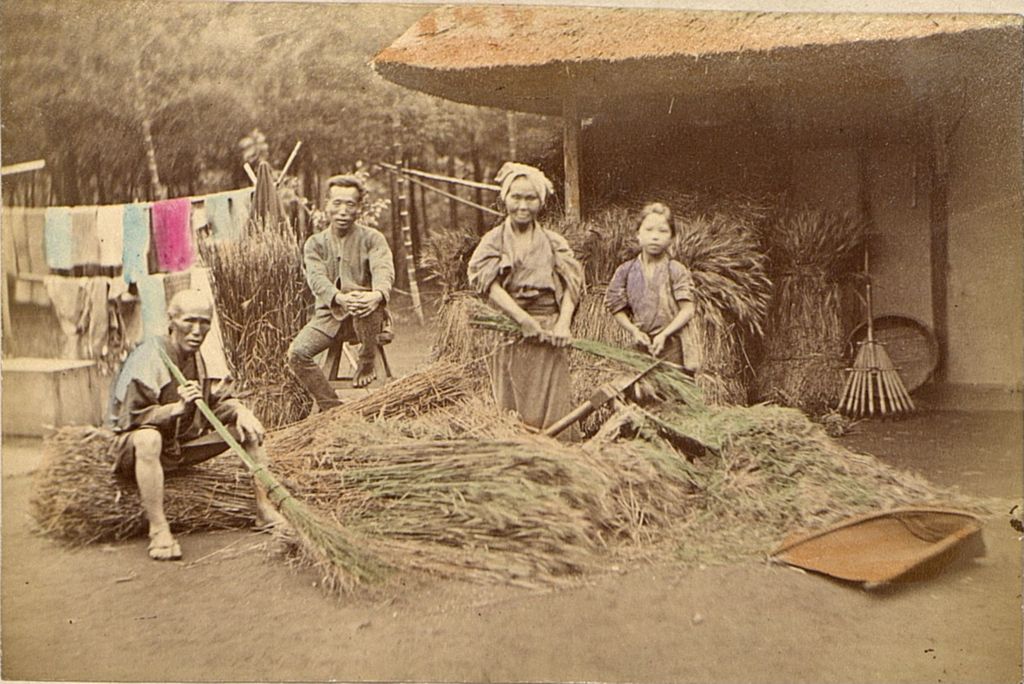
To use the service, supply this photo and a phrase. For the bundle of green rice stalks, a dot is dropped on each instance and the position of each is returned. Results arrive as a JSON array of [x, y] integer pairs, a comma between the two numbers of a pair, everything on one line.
[[671, 384], [77, 498], [592, 321], [811, 252], [259, 322], [771, 471], [731, 295]]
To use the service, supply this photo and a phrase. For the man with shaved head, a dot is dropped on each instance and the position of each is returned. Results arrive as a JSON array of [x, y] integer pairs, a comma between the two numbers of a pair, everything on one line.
[[158, 425]]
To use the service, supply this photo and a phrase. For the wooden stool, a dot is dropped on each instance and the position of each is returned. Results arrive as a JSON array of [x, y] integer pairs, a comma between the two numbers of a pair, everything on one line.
[[343, 347]]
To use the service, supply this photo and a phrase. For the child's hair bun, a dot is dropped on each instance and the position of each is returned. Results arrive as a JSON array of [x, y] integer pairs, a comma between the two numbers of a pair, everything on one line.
[[656, 208]]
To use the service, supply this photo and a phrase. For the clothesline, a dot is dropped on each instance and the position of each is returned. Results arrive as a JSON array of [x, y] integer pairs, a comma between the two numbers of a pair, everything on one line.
[[137, 238], [82, 260]]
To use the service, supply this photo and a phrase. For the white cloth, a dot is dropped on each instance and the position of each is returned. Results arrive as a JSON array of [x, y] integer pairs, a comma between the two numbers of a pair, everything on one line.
[[509, 171], [110, 231]]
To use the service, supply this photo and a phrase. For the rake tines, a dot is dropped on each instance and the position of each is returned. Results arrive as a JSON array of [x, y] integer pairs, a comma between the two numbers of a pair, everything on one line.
[[873, 380], [874, 385]]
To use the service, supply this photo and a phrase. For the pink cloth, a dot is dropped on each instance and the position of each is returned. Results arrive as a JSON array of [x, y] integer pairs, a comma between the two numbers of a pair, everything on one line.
[[172, 235]]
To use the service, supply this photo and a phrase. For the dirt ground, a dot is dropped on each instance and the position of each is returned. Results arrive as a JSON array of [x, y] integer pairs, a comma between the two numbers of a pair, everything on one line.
[[229, 612]]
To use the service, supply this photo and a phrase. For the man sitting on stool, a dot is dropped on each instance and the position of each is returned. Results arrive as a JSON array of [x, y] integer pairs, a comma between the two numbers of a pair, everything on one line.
[[159, 427], [350, 269]]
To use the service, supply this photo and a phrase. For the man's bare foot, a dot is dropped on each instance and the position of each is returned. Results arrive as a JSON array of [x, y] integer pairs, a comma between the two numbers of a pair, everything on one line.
[[267, 519], [163, 546], [365, 374]]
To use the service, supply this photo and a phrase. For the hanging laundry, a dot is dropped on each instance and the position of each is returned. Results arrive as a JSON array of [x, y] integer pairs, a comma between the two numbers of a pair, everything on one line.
[[35, 231], [110, 233], [213, 346], [153, 304], [135, 242], [66, 295], [94, 340], [171, 235], [175, 283], [85, 245], [31, 273], [197, 217], [80, 305], [15, 232], [58, 238], [241, 207], [7, 233], [218, 212], [118, 342]]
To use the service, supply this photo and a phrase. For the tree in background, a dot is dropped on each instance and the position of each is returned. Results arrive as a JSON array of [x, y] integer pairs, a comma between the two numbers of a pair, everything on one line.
[[85, 80]]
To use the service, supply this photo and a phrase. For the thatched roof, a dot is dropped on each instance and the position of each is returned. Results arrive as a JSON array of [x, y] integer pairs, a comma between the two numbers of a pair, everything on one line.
[[522, 57]]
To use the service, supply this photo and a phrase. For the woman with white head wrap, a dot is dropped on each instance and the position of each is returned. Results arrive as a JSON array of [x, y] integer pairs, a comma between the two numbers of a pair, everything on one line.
[[530, 274]]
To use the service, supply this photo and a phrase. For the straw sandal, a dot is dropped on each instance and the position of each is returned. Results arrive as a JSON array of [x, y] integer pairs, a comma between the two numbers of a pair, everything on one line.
[[163, 546]]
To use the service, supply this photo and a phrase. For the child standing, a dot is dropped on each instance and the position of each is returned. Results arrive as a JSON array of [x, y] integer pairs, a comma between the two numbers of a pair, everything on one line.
[[651, 296]]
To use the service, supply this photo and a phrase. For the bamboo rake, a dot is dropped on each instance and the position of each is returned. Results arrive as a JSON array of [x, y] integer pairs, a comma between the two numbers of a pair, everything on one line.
[[873, 383]]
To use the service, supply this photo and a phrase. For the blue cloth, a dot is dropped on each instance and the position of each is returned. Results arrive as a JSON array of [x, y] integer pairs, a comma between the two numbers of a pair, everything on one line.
[[218, 214], [58, 238], [135, 249], [153, 300]]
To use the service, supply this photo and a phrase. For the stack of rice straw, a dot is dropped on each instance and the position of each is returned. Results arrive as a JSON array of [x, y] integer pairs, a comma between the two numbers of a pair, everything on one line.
[[433, 480], [259, 322], [812, 252], [723, 252]]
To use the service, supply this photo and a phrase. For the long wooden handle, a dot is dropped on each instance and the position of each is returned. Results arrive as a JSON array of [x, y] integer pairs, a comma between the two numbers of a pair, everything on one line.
[[205, 409]]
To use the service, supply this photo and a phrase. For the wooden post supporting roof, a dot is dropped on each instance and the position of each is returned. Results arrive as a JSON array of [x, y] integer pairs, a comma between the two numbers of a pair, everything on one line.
[[571, 150], [938, 211]]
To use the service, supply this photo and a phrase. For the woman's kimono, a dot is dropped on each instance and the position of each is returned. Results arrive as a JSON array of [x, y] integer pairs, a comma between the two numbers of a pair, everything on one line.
[[531, 379]]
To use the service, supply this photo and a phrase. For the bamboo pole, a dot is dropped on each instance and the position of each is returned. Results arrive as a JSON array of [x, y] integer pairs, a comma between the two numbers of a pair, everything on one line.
[[453, 205], [415, 226], [571, 155], [450, 178], [22, 167], [510, 122], [401, 277], [424, 215], [402, 174], [481, 227], [287, 164], [938, 217], [403, 212]]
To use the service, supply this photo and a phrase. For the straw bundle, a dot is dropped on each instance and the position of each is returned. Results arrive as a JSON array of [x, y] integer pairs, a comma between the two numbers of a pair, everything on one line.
[[731, 289], [456, 340], [77, 499], [811, 252], [731, 294], [515, 509], [258, 321], [456, 492], [775, 472], [436, 385], [446, 256]]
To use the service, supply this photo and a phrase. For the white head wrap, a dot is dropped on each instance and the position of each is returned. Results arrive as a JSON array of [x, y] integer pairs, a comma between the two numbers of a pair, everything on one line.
[[509, 171]]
